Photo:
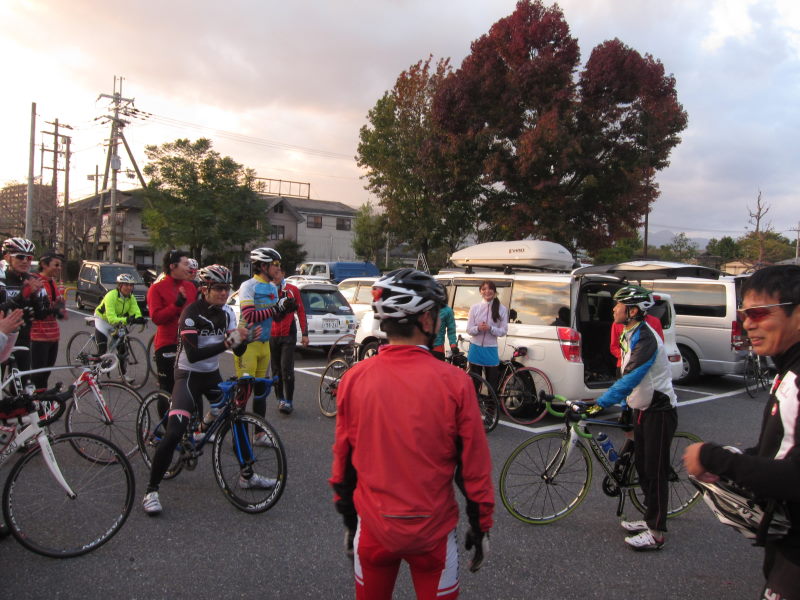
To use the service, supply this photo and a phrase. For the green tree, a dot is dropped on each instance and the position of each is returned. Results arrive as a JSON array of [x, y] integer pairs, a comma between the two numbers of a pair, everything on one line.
[[725, 248], [680, 249], [200, 200], [765, 246], [369, 229], [621, 251], [292, 254]]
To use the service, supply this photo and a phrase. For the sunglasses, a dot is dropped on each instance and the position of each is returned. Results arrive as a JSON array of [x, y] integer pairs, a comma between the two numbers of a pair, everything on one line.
[[22, 256], [277, 263], [759, 313]]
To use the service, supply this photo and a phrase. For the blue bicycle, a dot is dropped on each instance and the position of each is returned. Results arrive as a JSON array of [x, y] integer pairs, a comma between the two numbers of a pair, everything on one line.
[[243, 444]]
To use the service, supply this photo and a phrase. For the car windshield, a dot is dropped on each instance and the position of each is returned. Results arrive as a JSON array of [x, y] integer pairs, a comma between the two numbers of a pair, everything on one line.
[[108, 273], [323, 302]]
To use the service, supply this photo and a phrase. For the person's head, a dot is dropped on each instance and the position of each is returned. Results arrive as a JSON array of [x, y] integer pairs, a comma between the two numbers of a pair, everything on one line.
[[176, 264], [488, 291], [265, 261], [407, 301], [632, 303], [192, 266], [18, 252], [279, 275], [770, 309], [216, 283], [50, 264], [125, 283]]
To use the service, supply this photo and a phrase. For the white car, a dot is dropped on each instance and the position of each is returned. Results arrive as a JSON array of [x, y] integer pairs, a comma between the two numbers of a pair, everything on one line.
[[358, 293], [328, 314]]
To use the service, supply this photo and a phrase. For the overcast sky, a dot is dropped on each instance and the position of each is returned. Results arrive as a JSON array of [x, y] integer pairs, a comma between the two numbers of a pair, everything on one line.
[[283, 87]]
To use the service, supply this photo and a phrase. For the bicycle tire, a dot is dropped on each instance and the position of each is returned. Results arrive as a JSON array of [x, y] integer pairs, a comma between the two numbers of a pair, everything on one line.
[[85, 415], [79, 347], [487, 402], [751, 376], [45, 520], [266, 461], [151, 427], [328, 385], [135, 364], [682, 494], [529, 495], [343, 347], [763, 374], [519, 395]]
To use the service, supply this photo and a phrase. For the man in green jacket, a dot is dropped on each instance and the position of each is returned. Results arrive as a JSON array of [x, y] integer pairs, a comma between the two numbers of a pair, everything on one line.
[[118, 307]]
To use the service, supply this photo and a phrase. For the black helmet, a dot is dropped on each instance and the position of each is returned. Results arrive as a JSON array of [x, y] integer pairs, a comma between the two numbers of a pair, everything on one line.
[[406, 293], [635, 295], [264, 255]]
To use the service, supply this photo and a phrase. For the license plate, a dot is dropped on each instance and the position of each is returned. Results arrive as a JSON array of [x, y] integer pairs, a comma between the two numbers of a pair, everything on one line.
[[330, 323]]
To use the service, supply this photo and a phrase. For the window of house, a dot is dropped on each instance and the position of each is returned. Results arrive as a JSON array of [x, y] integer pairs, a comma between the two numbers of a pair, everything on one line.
[[314, 222], [343, 223], [278, 208], [277, 232]]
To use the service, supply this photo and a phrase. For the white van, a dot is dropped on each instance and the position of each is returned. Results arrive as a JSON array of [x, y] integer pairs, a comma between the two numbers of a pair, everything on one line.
[[358, 293], [575, 354]]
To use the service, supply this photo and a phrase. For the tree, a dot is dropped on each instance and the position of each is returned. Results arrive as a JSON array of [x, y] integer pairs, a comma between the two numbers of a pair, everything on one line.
[[764, 247], [369, 230], [680, 249], [200, 200], [566, 158], [292, 254], [621, 251], [422, 176], [725, 248]]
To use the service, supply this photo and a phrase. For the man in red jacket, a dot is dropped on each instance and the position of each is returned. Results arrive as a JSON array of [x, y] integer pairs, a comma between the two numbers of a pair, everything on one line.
[[407, 427], [165, 301], [282, 340]]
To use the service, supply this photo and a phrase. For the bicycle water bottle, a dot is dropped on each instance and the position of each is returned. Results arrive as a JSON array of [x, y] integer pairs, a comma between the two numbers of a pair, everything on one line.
[[607, 446], [211, 415]]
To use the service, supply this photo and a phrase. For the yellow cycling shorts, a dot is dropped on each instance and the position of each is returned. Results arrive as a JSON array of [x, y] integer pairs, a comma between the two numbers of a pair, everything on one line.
[[254, 361]]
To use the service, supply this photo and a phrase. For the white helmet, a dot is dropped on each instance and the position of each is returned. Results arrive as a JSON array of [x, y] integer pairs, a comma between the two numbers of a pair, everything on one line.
[[125, 278], [264, 255], [18, 245], [406, 293], [215, 274]]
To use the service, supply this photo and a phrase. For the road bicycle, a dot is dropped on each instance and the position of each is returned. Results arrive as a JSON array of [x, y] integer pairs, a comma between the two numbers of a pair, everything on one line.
[[236, 436], [67, 494], [134, 362], [756, 374], [487, 398], [547, 476]]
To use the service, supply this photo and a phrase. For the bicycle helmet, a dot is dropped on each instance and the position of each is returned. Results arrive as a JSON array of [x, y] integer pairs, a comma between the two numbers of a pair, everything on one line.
[[125, 278], [735, 506], [192, 264], [19, 245], [406, 293], [264, 255], [215, 274], [635, 295]]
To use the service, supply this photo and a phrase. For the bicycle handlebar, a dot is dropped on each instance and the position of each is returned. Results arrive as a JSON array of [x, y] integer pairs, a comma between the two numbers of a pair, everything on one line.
[[54, 395], [226, 387]]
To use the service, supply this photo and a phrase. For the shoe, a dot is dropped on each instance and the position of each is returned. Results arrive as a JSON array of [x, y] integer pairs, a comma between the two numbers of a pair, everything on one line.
[[263, 440], [4, 531], [645, 541], [129, 380], [199, 435], [151, 503], [285, 406], [634, 526], [257, 482]]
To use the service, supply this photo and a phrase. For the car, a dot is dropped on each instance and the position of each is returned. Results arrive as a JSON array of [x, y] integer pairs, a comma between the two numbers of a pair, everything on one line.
[[536, 286], [358, 293], [328, 314], [97, 278]]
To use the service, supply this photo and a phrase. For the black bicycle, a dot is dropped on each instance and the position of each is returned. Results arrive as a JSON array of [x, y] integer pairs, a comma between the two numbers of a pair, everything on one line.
[[756, 374]]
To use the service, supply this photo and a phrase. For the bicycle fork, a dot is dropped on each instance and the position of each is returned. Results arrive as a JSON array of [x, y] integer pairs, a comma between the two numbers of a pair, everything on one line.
[[553, 468], [98, 397]]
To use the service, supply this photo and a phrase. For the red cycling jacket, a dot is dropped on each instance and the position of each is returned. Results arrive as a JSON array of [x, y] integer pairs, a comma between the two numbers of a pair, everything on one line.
[[164, 312], [616, 333], [407, 427], [284, 326]]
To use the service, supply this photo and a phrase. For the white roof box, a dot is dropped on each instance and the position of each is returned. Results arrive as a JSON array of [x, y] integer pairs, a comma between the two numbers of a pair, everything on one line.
[[531, 254]]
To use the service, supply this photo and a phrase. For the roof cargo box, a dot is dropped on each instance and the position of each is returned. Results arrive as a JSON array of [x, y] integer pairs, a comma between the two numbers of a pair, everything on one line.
[[531, 254]]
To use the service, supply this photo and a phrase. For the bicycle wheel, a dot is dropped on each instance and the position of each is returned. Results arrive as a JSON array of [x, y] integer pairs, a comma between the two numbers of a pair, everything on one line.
[[519, 395], [541, 482], [682, 494], [88, 413], [151, 427], [763, 373], [238, 440], [134, 365], [751, 376], [79, 347], [47, 521], [487, 402], [344, 347], [328, 384]]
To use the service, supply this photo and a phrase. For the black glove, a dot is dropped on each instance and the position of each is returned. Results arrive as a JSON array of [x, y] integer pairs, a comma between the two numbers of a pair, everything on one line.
[[349, 540], [286, 304], [480, 540], [130, 319], [180, 300]]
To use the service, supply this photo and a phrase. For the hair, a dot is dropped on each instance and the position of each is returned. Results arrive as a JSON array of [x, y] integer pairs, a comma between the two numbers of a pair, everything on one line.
[[782, 281], [48, 257], [495, 300], [394, 328], [172, 257]]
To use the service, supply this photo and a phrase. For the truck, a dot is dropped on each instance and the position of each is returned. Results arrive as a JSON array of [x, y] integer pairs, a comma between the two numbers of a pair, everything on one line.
[[337, 271]]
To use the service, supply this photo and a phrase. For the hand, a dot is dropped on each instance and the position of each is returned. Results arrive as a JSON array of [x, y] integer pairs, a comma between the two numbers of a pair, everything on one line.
[[304, 341], [12, 321], [236, 337], [254, 333], [180, 298], [349, 542], [286, 304], [691, 460], [130, 319], [480, 541], [32, 286], [593, 410], [484, 326], [454, 350]]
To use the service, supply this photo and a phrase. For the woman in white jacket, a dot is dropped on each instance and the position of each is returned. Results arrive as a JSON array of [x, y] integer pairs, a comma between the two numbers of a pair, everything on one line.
[[488, 320]]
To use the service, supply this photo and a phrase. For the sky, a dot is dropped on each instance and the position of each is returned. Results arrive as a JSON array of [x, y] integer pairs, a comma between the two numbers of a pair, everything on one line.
[[284, 87]]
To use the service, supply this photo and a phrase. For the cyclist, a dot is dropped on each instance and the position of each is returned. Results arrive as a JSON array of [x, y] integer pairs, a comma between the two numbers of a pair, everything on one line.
[[194, 266], [448, 327], [646, 386], [207, 328], [407, 426], [259, 302], [45, 332], [488, 320], [283, 339], [23, 290], [166, 299], [771, 470], [118, 307]]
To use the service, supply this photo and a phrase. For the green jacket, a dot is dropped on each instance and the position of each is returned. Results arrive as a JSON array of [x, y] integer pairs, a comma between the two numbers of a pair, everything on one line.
[[116, 309], [448, 324]]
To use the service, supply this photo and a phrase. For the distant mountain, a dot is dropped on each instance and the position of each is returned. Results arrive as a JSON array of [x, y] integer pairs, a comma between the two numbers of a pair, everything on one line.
[[664, 237]]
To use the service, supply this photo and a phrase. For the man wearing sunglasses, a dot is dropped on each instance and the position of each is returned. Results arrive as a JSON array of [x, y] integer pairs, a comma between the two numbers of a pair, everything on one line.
[[770, 314]]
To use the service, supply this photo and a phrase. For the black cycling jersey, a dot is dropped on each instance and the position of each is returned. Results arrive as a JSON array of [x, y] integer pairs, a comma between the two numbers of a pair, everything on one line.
[[201, 336]]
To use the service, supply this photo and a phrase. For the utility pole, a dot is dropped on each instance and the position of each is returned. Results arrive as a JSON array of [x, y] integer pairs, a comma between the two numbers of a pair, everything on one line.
[[29, 203], [797, 243], [100, 202], [57, 137]]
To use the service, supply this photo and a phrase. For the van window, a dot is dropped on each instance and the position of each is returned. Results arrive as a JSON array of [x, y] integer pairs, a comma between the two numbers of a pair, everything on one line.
[[538, 302], [348, 290], [364, 294], [467, 292], [108, 273], [318, 270], [89, 274], [695, 299]]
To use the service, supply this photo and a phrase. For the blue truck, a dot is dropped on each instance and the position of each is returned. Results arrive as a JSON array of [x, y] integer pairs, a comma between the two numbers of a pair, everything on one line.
[[337, 271]]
